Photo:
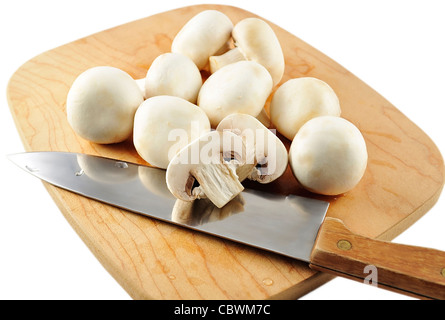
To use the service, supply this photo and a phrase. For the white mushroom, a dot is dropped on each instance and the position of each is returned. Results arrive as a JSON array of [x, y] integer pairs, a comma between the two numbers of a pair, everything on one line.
[[299, 100], [240, 87], [203, 36], [266, 150], [207, 168], [328, 155], [254, 40], [173, 74], [101, 104], [165, 124]]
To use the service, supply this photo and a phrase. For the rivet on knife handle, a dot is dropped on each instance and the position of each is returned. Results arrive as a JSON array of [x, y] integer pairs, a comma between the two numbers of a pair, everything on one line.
[[344, 245], [416, 271]]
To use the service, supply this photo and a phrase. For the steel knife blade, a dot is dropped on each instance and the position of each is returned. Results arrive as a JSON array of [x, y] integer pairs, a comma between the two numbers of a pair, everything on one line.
[[292, 226]]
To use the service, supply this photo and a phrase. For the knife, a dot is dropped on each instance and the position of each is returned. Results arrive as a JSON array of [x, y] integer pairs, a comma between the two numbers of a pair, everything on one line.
[[292, 226]]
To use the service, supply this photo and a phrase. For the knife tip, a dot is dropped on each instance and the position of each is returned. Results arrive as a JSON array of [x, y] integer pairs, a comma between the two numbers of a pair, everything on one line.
[[19, 159], [13, 157]]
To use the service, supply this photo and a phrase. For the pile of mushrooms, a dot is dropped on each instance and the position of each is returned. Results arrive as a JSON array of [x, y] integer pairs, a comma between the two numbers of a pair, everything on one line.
[[210, 135]]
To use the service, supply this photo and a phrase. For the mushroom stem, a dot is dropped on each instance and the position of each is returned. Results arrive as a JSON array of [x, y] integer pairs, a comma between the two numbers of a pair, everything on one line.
[[141, 85], [244, 171], [231, 56], [255, 174], [218, 181]]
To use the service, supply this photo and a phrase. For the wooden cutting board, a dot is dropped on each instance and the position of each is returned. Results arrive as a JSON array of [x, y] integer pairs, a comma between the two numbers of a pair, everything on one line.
[[155, 260]]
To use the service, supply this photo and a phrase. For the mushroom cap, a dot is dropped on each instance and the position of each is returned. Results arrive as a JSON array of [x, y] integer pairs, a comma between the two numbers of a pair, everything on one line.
[[202, 36], [165, 124], [258, 42], [101, 104], [328, 155], [298, 100], [262, 146], [173, 74], [240, 87]]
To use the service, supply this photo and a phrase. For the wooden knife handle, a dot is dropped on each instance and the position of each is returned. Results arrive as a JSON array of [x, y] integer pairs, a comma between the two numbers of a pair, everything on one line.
[[415, 271]]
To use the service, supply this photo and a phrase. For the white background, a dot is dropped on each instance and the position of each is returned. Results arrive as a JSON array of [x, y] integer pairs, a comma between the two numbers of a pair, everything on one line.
[[396, 47]]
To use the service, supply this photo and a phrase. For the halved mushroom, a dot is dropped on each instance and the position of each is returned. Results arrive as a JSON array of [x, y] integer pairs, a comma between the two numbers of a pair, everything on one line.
[[207, 168], [266, 150], [165, 124], [101, 104], [328, 155], [203, 36], [299, 100], [254, 40], [173, 74], [240, 87]]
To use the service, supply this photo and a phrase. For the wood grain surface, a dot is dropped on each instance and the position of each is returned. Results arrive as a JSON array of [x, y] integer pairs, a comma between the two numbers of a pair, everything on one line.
[[155, 260]]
